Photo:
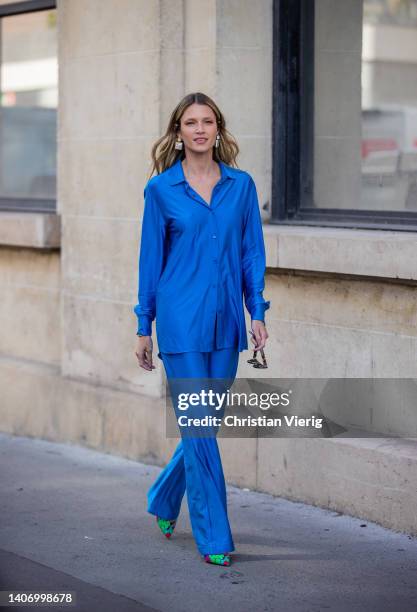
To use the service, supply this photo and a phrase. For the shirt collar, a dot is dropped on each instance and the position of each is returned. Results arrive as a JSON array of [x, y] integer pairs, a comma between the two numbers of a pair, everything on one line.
[[177, 173]]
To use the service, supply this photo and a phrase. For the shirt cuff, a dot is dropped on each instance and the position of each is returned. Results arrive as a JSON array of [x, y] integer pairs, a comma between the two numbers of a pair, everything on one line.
[[144, 325], [258, 313]]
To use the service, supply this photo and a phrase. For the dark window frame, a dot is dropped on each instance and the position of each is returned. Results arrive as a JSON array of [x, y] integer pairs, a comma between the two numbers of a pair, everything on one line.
[[292, 130], [43, 205]]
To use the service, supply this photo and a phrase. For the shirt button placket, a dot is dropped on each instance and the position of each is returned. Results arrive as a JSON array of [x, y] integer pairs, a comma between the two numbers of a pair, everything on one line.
[[215, 250]]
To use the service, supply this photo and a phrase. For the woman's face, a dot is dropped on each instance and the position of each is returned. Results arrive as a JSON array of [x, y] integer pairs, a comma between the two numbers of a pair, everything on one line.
[[198, 128]]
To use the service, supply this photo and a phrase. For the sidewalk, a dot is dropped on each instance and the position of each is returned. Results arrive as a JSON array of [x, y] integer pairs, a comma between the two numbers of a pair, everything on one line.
[[76, 519]]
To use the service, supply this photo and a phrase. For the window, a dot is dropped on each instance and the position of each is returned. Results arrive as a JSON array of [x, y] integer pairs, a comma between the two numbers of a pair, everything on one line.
[[29, 97], [345, 113]]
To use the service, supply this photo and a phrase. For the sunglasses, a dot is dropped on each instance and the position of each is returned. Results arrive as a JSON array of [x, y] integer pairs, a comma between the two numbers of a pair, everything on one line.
[[254, 361]]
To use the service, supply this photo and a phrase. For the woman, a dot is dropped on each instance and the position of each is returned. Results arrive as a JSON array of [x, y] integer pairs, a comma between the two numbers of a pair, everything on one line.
[[201, 251]]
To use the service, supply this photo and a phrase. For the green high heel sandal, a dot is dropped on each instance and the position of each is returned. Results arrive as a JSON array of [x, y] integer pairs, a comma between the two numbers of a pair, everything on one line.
[[167, 526], [220, 559]]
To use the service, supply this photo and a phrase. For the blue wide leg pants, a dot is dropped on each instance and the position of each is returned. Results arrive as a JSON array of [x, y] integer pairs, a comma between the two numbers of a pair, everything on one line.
[[196, 465]]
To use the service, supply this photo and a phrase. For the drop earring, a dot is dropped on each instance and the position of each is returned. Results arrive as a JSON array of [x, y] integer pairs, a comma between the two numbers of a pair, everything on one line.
[[216, 144], [178, 144]]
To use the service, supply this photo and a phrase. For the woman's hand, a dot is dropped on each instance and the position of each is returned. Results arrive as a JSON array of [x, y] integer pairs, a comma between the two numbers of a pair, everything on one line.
[[144, 352], [260, 334]]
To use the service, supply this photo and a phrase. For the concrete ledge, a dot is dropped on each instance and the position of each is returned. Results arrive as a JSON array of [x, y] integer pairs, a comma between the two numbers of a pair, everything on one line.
[[373, 479], [369, 478], [376, 253], [35, 230]]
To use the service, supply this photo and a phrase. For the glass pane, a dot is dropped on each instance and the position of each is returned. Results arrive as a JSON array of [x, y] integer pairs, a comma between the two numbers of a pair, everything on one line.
[[29, 97], [365, 101], [389, 105]]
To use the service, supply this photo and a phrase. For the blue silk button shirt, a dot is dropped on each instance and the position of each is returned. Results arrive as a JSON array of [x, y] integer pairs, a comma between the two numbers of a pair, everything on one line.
[[198, 261]]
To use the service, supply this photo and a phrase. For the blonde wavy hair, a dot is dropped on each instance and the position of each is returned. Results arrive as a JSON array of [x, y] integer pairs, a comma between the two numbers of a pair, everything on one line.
[[164, 154]]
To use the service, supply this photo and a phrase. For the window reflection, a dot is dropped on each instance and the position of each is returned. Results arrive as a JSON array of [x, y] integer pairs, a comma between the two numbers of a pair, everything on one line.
[[29, 98], [389, 105]]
